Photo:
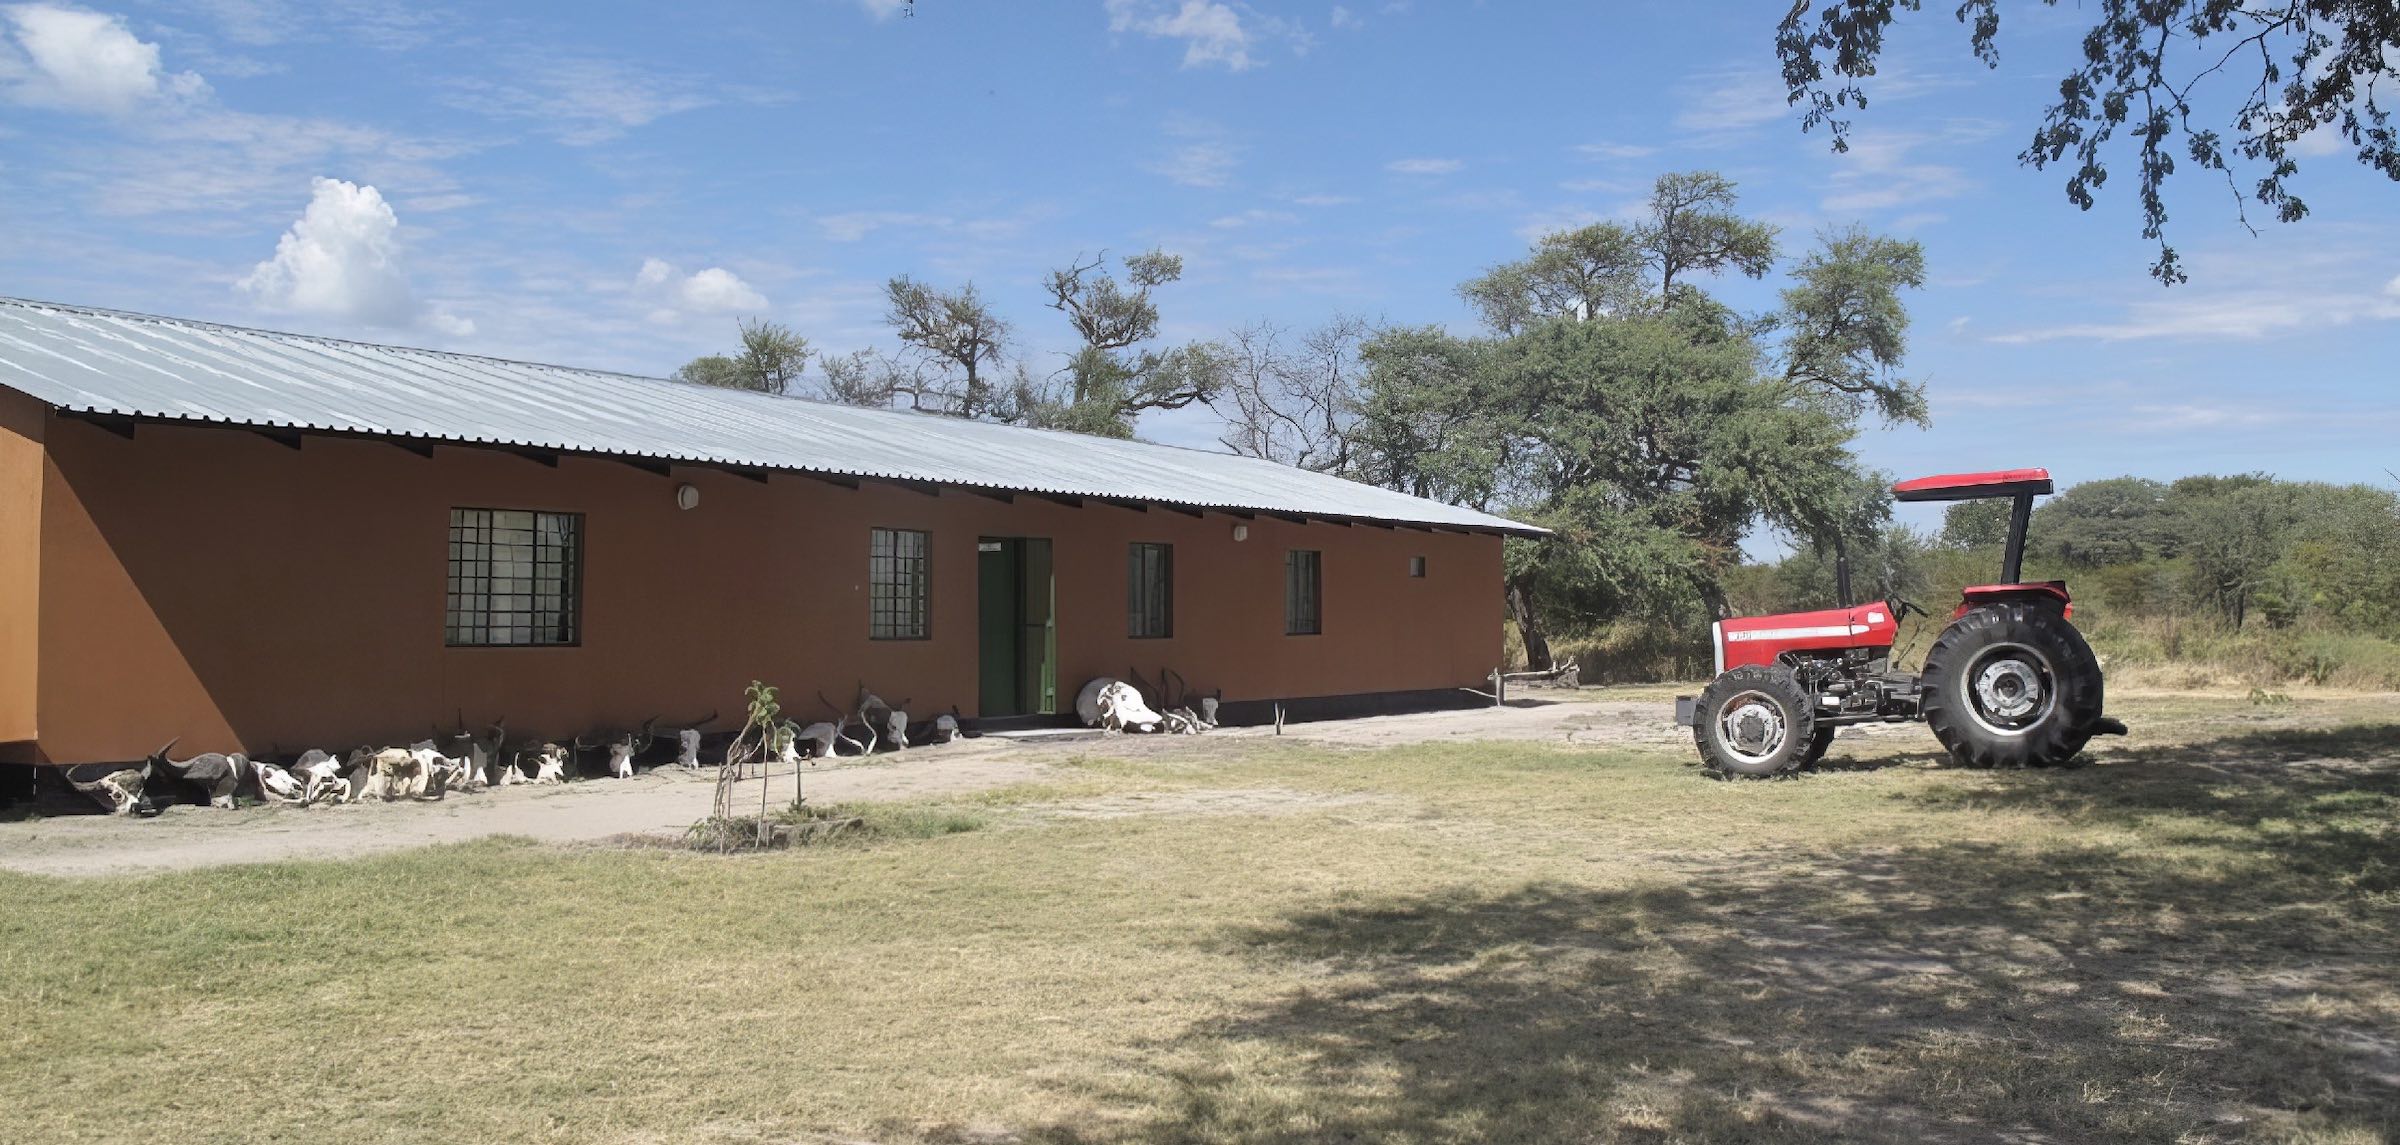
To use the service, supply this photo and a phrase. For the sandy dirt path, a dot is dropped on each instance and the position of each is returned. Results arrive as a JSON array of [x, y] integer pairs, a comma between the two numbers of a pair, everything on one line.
[[658, 802], [668, 801]]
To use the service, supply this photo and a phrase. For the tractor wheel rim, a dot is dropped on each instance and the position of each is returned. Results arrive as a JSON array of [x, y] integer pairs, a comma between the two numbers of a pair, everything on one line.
[[2010, 689], [1752, 727]]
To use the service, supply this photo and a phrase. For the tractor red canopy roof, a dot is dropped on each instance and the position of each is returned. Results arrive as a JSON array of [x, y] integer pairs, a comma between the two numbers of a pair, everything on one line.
[[1970, 486]]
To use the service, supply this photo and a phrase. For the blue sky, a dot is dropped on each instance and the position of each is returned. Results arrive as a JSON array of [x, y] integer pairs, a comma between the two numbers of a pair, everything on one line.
[[613, 184]]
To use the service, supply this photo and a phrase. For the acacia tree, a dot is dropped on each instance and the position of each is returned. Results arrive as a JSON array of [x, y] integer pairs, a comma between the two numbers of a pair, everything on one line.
[[1845, 326], [1420, 429], [957, 334], [1619, 268], [2231, 530], [1646, 424], [1114, 377], [770, 360], [2298, 67], [951, 341]]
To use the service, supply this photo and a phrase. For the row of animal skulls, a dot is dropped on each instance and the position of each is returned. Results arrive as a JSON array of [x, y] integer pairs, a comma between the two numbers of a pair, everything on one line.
[[484, 759], [420, 770]]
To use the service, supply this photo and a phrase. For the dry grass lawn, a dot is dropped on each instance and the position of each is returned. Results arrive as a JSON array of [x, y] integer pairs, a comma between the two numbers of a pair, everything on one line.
[[2193, 940]]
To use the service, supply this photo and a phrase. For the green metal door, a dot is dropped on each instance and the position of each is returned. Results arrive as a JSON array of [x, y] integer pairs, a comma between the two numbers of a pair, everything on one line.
[[998, 591], [1039, 615], [1017, 626]]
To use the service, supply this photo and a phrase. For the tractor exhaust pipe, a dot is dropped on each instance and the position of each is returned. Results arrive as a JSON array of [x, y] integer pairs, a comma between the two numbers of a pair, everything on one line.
[[1841, 571]]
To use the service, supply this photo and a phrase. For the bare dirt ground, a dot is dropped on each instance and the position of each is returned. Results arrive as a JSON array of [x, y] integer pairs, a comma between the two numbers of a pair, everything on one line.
[[666, 801]]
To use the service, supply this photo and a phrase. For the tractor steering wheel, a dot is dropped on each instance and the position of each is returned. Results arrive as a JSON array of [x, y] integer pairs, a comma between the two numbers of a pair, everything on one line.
[[1901, 608]]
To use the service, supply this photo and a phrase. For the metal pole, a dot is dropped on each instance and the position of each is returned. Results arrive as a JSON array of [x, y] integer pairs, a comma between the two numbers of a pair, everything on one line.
[[2012, 559]]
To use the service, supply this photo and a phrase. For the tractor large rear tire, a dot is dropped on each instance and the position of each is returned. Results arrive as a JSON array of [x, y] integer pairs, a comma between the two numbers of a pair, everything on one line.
[[1754, 722], [2011, 685]]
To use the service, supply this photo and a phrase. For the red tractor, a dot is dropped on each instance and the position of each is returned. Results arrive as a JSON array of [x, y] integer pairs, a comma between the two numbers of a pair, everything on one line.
[[2010, 683]]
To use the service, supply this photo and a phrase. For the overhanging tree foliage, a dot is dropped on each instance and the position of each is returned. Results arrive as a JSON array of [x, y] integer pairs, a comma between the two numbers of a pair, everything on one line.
[[2296, 67]]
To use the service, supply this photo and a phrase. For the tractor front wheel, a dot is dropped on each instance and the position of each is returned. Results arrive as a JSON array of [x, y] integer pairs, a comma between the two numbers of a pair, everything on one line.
[[1754, 722], [2011, 685]]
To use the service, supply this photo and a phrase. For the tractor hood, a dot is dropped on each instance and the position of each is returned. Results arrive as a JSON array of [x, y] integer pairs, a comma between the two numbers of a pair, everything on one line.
[[1761, 639]]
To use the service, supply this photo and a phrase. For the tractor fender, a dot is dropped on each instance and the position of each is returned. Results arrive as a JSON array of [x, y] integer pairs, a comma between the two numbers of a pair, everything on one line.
[[2046, 593]]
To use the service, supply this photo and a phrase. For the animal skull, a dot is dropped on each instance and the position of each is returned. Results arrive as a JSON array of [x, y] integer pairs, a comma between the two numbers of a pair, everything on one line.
[[122, 789], [277, 784], [821, 737], [321, 777], [1121, 707], [550, 765]]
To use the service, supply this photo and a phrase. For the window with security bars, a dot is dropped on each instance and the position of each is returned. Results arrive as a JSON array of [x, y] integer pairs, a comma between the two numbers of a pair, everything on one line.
[[1150, 590], [1303, 593], [515, 578], [896, 585]]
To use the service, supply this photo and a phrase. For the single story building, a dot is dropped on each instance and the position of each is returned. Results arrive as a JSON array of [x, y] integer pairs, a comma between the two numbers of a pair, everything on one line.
[[245, 540]]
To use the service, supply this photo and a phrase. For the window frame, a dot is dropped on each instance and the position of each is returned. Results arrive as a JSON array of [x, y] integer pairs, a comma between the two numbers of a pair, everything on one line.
[[569, 586], [877, 612], [1308, 620], [1137, 587], [1416, 567]]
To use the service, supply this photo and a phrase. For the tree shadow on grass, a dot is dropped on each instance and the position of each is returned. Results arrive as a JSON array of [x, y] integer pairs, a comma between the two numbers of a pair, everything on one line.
[[2323, 802], [1938, 993]]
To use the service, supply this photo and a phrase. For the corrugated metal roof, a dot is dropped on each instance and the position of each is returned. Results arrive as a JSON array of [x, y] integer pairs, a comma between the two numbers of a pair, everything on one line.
[[105, 362]]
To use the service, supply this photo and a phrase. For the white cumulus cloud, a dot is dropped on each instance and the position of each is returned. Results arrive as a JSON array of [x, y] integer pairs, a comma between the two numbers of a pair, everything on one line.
[[58, 56], [1213, 32], [343, 259], [712, 290]]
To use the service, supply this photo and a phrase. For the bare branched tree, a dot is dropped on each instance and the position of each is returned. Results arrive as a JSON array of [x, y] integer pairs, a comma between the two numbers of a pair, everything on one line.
[[1293, 404]]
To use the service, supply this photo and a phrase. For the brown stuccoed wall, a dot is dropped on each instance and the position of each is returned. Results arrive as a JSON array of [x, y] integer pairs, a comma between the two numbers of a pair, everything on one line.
[[22, 421], [215, 585]]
